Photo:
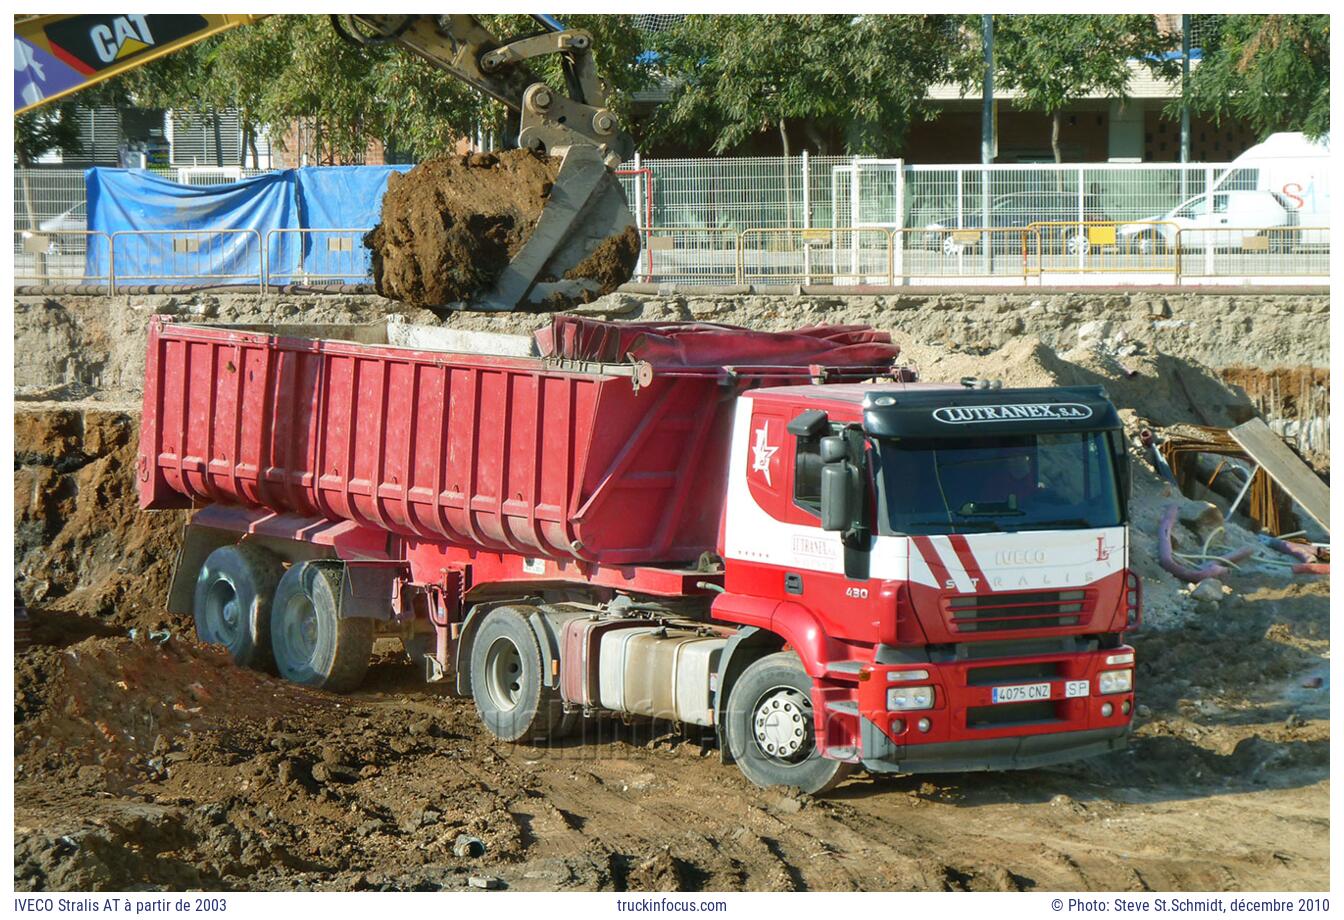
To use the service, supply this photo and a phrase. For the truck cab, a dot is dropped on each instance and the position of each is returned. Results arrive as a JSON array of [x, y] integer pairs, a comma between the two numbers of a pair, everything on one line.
[[947, 563]]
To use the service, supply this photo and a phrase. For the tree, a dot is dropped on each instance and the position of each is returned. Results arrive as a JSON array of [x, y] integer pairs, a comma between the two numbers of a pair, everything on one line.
[[864, 78], [287, 69], [1053, 61], [1272, 71], [52, 127]]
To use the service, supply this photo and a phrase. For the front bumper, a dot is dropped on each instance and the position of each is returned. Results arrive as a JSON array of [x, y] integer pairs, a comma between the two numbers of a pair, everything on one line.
[[1023, 752]]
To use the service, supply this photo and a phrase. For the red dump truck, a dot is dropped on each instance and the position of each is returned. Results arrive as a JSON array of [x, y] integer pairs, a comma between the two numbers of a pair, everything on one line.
[[783, 537]]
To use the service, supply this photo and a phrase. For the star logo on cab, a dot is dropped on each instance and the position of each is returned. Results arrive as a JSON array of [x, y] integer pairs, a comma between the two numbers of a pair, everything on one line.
[[762, 452]]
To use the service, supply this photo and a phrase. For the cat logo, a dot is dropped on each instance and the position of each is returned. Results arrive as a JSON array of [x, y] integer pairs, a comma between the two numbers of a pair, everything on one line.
[[126, 35]]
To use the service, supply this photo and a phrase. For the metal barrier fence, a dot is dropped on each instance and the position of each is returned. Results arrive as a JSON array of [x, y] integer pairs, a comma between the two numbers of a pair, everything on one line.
[[318, 257], [947, 253], [822, 255], [1276, 252], [186, 257], [714, 221], [1102, 246], [691, 255], [64, 257]]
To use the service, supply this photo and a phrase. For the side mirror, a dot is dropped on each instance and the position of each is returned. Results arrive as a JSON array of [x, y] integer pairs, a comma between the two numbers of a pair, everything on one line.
[[837, 512], [833, 449]]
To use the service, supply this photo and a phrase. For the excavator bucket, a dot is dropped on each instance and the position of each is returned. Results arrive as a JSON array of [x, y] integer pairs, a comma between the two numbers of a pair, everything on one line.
[[509, 231]]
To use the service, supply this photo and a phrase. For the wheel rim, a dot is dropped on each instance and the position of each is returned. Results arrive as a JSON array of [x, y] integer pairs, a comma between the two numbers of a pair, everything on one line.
[[300, 629], [781, 725], [223, 613], [504, 673]]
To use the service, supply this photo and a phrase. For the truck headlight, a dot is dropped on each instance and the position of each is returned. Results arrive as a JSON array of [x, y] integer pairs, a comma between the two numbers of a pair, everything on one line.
[[901, 698], [1115, 681]]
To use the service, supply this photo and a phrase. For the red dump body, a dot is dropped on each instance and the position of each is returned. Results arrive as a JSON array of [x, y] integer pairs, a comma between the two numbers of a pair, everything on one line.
[[613, 463]]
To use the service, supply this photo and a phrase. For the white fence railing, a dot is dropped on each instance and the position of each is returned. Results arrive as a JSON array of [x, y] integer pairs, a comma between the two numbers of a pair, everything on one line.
[[773, 220]]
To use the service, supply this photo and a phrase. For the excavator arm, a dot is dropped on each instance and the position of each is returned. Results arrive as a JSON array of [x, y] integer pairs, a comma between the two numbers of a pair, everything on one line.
[[462, 46]]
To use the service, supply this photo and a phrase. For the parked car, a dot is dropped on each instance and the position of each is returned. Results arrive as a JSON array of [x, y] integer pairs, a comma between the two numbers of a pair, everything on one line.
[[1018, 210], [1206, 220]]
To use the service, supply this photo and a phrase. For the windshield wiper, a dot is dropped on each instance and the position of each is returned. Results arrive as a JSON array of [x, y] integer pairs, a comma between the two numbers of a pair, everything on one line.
[[987, 525], [1062, 522]]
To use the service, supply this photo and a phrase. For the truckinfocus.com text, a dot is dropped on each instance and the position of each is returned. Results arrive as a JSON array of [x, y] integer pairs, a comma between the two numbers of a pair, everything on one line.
[[670, 905]]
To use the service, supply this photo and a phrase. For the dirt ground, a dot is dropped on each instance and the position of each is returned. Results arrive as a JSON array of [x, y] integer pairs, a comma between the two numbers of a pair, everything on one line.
[[147, 761], [451, 225]]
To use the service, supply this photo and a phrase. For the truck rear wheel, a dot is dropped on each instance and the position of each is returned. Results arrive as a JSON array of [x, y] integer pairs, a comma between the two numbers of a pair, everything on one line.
[[314, 646], [232, 604], [771, 729], [506, 680]]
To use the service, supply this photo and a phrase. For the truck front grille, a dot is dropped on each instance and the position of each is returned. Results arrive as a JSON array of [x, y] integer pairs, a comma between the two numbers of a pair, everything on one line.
[[1014, 673], [1006, 714], [1029, 610]]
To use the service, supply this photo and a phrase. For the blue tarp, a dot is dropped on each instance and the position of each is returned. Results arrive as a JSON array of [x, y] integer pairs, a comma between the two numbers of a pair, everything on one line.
[[199, 252], [342, 196], [314, 199], [336, 197]]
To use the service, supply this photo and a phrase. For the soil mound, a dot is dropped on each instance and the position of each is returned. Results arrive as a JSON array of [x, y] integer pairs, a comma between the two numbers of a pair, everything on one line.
[[1161, 388], [110, 710], [451, 225]]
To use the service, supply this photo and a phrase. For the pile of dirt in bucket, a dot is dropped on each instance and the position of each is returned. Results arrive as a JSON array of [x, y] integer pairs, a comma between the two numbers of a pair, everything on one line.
[[451, 225]]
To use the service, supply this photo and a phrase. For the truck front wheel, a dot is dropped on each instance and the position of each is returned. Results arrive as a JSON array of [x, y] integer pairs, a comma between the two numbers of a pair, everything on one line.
[[506, 680], [314, 646], [771, 728], [232, 602]]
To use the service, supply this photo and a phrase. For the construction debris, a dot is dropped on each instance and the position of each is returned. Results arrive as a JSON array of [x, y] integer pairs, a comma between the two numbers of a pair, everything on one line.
[[1283, 466]]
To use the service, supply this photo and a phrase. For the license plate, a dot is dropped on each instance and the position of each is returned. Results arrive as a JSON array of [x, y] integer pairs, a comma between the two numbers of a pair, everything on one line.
[[1025, 693], [1022, 693]]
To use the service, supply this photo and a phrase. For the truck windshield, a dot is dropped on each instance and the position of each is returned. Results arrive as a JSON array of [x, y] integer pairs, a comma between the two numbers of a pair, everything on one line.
[[1004, 483]]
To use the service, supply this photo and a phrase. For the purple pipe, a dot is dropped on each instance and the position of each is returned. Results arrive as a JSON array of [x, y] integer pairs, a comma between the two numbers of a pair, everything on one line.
[[1179, 569], [1303, 554]]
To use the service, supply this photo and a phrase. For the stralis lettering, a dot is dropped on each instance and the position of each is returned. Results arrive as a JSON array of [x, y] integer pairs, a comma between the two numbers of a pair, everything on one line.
[[962, 415]]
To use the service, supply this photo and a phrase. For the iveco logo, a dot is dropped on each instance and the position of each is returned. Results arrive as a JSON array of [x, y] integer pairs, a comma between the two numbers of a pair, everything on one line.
[[1022, 412], [1019, 557]]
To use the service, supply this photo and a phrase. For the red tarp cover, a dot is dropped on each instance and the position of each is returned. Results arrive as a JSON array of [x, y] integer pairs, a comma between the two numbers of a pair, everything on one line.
[[671, 345]]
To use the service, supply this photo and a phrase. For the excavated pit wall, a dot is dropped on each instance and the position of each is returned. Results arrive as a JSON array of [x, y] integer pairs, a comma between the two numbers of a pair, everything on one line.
[[77, 345]]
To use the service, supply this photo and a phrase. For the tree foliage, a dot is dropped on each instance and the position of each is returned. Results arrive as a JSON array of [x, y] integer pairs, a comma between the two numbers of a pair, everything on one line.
[[864, 78], [1271, 70], [42, 130], [1052, 61]]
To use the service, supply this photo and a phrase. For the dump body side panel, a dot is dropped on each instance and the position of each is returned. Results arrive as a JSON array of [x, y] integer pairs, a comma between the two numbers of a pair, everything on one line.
[[503, 454]]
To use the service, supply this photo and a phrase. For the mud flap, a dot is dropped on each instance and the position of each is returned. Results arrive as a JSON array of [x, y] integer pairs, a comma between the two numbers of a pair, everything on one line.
[[369, 589]]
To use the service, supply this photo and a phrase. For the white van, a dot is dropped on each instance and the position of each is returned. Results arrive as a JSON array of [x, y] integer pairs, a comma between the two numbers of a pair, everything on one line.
[[1295, 169], [1246, 218]]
